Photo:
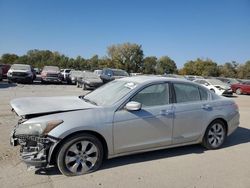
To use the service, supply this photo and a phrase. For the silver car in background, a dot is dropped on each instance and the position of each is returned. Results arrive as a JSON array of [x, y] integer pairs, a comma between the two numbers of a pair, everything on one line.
[[126, 116]]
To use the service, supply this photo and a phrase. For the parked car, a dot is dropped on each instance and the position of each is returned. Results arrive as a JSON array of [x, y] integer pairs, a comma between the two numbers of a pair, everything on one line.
[[5, 69], [193, 77], [126, 116], [1, 74], [73, 75], [51, 74], [229, 81], [65, 74], [241, 88], [21, 73], [111, 74], [38, 71], [98, 72], [174, 76], [216, 86], [89, 80]]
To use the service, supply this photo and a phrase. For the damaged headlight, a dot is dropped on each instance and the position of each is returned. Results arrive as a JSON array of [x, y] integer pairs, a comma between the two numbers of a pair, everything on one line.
[[37, 129]]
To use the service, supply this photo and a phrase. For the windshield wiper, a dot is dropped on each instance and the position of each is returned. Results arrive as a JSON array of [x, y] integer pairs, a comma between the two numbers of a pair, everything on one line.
[[89, 101]]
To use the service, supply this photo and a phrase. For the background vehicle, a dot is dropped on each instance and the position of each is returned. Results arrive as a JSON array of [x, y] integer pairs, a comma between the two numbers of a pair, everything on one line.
[[5, 69], [126, 116], [38, 71], [1, 74], [21, 73], [193, 77], [229, 81], [89, 80], [98, 72], [111, 74], [73, 75], [51, 74], [241, 88], [216, 86], [65, 74]]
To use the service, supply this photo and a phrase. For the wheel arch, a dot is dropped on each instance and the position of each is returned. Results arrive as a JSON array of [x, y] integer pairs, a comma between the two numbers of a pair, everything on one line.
[[53, 153], [218, 118]]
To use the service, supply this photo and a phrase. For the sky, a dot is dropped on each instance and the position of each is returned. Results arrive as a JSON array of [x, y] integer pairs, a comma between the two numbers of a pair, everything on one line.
[[181, 29]]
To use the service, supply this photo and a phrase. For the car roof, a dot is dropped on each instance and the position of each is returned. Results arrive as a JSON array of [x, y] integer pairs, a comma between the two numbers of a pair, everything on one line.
[[143, 79]]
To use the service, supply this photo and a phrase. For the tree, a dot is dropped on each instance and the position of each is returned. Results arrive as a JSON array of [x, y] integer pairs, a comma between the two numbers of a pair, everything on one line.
[[200, 67], [127, 56], [149, 65], [166, 65], [229, 69], [9, 58], [243, 71]]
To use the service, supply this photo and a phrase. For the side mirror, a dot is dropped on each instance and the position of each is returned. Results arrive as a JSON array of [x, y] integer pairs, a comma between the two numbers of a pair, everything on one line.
[[133, 106]]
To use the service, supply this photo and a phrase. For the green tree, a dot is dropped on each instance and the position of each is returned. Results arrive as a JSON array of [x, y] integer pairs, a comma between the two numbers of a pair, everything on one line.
[[149, 65], [166, 65], [229, 69], [9, 58], [200, 67], [127, 56]]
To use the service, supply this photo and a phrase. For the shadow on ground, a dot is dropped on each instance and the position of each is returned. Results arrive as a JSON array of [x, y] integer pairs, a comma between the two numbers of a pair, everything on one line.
[[4, 85], [240, 136]]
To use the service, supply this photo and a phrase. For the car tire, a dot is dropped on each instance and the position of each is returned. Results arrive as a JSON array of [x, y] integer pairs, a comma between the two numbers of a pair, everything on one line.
[[73, 160], [84, 87], [215, 135], [238, 91]]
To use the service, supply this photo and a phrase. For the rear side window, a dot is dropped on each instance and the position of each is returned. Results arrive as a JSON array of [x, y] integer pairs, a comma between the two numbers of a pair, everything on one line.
[[186, 93], [203, 94]]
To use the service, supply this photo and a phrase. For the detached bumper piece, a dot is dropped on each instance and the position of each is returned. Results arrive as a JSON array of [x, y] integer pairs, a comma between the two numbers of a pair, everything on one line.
[[34, 150]]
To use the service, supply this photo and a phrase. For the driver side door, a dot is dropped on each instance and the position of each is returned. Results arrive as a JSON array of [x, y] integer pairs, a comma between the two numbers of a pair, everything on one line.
[[149, 127]]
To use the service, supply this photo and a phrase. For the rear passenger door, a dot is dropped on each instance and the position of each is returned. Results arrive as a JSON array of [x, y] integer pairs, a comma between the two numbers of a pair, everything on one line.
[[190, 109]]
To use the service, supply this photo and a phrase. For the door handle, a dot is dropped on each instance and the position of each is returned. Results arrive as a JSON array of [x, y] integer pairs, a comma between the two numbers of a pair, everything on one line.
[[206, 107], [167, 112]]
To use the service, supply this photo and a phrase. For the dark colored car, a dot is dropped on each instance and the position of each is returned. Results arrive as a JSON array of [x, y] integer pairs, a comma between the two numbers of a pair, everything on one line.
[[241, 88], [5, 69], [22, 73], [112, 74], [51, 74], [89, 80], [1, 74]]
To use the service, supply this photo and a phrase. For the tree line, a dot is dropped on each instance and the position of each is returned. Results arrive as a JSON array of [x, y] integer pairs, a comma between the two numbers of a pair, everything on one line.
[[130, 57]]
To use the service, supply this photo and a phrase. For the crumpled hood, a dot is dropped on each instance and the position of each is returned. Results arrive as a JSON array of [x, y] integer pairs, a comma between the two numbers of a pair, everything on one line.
[[46, 105]]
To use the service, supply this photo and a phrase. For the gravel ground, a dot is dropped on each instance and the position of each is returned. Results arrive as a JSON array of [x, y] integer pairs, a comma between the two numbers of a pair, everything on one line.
[[190, 166]]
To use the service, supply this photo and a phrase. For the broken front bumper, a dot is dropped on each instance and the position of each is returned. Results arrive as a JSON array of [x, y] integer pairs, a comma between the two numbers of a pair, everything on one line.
[[34, 150]]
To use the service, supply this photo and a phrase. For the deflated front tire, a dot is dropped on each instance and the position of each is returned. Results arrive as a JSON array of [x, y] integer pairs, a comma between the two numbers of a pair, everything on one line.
[[80, 154]]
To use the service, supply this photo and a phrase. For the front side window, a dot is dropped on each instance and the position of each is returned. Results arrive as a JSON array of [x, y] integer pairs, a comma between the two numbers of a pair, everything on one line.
[[153, 95], [186, 93]]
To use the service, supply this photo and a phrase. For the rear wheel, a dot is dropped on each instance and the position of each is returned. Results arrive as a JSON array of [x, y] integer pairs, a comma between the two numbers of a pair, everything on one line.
[[79, 155], [238, 91], [215, 135]]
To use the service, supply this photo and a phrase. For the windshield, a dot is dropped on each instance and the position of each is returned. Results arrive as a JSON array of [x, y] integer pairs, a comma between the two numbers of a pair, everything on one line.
[[216, 82], [111, 92], [51, 68], [120, 73], [20, 67]]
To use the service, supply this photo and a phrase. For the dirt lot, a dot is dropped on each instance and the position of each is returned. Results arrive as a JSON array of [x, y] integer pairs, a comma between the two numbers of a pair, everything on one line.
[[190, 166]]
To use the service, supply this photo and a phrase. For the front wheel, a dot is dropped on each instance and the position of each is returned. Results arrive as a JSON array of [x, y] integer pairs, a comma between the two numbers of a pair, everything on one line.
[[79, 155], [215, 135], [238, 91]]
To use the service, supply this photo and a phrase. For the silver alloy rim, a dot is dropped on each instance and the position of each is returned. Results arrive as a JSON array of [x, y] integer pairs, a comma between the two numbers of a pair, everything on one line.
[[238, 91], [81, 157], [216, 135]]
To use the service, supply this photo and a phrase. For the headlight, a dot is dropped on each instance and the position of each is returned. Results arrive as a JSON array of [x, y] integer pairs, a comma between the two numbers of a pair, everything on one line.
[[37, 129]]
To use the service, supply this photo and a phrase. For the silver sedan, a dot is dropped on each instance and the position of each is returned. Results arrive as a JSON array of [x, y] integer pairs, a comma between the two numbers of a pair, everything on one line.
[[125, 116]]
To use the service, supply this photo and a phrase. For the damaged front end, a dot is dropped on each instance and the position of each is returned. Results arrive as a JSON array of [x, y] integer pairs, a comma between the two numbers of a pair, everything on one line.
[[34, 141]]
